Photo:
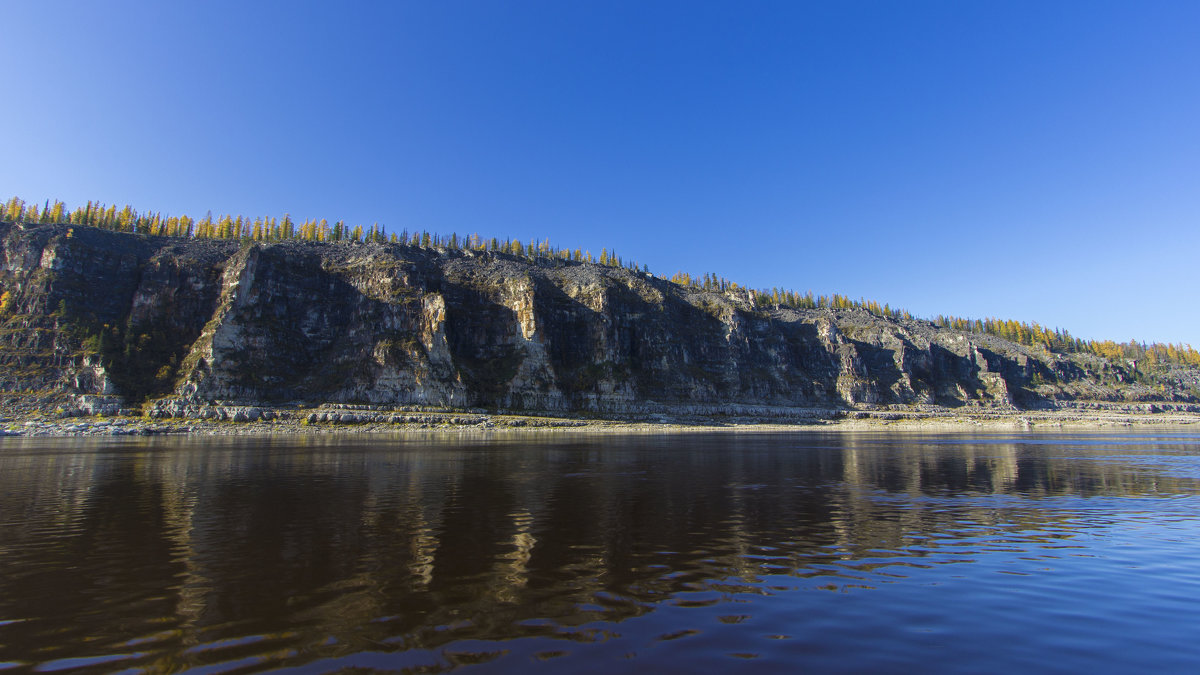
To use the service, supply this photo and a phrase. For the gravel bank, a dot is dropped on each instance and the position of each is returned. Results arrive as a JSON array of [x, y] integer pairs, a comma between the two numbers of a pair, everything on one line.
[[454, 423]]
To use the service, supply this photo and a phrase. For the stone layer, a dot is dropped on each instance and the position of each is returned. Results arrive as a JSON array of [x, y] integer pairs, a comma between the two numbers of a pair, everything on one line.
[[100, 321]]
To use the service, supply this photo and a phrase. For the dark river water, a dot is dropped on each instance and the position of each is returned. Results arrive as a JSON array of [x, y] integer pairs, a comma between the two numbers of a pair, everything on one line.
[[816, 552]]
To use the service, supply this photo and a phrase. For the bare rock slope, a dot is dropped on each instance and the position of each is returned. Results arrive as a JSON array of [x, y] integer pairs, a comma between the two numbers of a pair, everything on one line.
[[93, 319]]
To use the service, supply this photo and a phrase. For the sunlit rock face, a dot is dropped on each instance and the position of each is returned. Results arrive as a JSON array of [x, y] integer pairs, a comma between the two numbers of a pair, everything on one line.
[[133, 319]]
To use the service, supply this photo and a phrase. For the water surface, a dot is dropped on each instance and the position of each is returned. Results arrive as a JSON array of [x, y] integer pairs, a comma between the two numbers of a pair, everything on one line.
[[867, 552]]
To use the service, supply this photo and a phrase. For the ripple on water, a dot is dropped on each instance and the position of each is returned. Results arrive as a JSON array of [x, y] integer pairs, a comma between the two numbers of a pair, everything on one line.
[[998, 555]]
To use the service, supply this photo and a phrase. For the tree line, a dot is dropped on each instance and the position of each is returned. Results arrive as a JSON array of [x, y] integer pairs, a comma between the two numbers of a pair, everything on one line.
[[1062, 342], [268, 229], [781, 297]]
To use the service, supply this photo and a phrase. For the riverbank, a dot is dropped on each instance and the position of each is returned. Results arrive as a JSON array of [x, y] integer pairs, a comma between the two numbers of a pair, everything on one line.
[[458, 423]]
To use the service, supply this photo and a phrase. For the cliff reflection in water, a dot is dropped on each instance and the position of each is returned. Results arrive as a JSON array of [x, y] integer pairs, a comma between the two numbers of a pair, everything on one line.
[[183, 554]]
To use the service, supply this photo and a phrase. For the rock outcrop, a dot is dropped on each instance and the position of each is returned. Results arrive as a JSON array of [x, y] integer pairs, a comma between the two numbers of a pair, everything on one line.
[[99, 320]]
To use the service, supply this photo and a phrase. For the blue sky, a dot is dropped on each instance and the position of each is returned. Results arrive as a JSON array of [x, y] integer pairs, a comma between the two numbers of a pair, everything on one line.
[[1029, 160]]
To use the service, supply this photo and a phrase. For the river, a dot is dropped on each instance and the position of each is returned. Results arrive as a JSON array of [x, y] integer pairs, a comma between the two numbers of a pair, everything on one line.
[[739, 551]]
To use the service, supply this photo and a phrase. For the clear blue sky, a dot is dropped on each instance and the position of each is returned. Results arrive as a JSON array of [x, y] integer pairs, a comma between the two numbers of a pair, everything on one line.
[[1029, 160]]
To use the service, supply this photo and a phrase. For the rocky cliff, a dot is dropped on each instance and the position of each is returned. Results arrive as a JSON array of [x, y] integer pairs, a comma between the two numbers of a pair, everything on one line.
[[91, 318]]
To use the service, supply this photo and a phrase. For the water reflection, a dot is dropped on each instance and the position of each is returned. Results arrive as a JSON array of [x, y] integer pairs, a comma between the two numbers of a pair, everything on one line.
[[401, 553]]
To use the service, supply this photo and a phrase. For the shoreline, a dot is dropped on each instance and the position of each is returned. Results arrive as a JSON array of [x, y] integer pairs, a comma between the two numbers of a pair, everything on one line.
[[452, 423]]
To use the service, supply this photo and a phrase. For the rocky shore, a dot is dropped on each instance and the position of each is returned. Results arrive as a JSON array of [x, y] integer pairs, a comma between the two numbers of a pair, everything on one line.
[[337, 421]]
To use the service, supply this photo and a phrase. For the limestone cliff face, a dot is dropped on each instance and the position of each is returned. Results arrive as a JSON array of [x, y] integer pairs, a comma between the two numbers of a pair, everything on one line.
[[92, 315]]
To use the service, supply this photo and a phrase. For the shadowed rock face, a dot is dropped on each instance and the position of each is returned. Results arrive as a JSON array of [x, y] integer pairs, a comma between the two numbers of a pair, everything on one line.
[[91, 312]]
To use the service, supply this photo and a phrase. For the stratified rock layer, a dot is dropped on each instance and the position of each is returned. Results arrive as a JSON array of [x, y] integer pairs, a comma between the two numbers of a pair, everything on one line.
[[95, 318]]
